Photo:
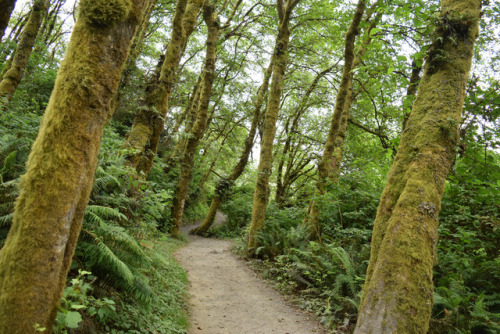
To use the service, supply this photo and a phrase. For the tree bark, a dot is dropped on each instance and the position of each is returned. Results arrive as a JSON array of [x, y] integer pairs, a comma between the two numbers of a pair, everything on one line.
[[148, 124], [188, 117], [187, 159], [411, 91], [397, 295], [224, 186], [327, 164], [6, 8], [55, 189], [135, 50], [339, 142], [13, 76], [280, 56]]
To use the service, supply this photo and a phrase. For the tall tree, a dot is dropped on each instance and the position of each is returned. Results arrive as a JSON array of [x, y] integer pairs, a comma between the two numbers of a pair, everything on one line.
[[12, 77], [326, 164], [203, 118], [6, 8], [148, 124], [397, 295], [224, 185], [55, 189], [280, 59], [358, 58], [200, 124]]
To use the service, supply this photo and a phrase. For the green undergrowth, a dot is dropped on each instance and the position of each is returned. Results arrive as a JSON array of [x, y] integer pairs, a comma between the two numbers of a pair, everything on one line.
[[325, 277], [89, 307], [166, 313]]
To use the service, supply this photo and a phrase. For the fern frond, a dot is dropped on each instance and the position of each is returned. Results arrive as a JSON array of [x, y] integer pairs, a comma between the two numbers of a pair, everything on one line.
[[104, 257], [118, 237], [105, 212], [8, 162], [103, 179], [6, 220]]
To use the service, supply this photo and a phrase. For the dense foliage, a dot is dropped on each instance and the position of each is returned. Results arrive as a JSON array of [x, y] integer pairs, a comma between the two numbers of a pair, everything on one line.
[[123, 278]]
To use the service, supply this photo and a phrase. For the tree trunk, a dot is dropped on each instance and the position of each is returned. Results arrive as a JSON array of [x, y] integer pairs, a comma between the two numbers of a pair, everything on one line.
[[148, 125], [327, 164], [397, 295], [280, 56], [224, 186], [55, 189], [339, 142], [6, 8], [411, 91], [187, 159], [12, 77], [135, 50], [188, 117]]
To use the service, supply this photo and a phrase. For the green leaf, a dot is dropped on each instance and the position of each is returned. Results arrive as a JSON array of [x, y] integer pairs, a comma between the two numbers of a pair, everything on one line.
[[390, 70], [77, 307], [374, 31], [402, 58], [73, 319]]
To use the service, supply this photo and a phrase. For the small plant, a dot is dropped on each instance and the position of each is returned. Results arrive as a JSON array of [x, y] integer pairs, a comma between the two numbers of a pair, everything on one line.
[[76, 300]]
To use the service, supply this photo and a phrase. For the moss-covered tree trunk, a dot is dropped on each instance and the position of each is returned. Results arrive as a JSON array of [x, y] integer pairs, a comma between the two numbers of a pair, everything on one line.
[[411, 91], [55, 189], [339, 142], [280, 56], [135, 50], [6, 8], [187, 159], [327, 163], [224, 186], [188, 117], [397, 295], [12, 77], [148, 124]]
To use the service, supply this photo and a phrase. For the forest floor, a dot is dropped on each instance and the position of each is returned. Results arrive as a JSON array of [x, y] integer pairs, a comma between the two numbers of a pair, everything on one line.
[[226, 296]]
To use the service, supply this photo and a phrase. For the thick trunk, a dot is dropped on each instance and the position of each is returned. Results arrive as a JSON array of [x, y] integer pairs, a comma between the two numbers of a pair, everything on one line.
[[12, 77], [55, 189], [242, 162], [280, 56], [148, 125], [397, 295], [6, 8], [187, 159]]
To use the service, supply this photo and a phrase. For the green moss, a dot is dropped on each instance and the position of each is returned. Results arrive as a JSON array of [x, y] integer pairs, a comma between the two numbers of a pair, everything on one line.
[[104, 13]]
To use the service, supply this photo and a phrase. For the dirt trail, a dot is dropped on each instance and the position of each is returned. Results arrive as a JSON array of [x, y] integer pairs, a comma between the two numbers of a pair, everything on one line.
[[227, 297]]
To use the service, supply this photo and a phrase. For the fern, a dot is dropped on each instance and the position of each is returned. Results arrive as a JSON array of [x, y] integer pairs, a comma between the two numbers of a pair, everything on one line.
[[103, 180], [113, 254], [97, 213], [98, 253], [6, 220], [7, 164]]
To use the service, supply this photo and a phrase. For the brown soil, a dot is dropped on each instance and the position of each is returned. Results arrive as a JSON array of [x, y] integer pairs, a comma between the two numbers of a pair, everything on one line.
[[228, 297]]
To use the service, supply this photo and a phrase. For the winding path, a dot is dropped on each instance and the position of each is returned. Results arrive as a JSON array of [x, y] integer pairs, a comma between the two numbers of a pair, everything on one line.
[[228, 298]]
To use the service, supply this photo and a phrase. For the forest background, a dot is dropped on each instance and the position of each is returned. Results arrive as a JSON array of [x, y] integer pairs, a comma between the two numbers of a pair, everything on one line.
[[162, 163]]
